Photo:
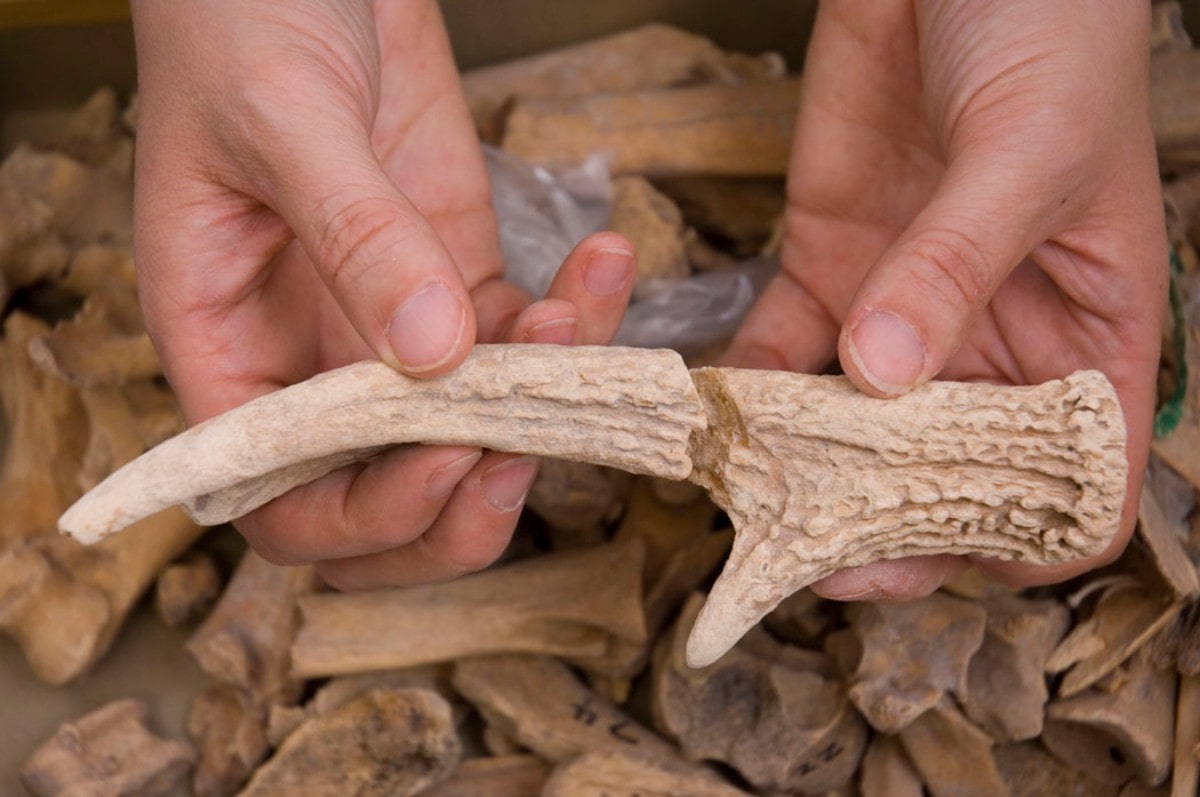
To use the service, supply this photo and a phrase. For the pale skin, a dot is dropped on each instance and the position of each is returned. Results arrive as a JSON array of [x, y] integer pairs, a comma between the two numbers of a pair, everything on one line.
[[973, 195]]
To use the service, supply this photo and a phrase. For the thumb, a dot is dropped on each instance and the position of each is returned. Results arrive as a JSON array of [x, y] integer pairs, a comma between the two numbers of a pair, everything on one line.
[[384, 264], [917, 302]]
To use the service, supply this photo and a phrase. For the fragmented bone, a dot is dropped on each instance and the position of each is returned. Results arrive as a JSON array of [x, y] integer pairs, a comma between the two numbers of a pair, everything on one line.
[[244, 643], [1132, 713], [573, 604], [1029, 771], [1185, 768], [1006, 682], [540, 703], [1174, 109], [1167, 31], [1126, 617], [336, 692], [650, 56], [495, 776], [690, 130], [111, 751], [654, 225], [782, 725], [47, 431], [887, 772], [1028, 474], [634, 410], [815, 476], [1166, 549], [228, 731], [622, 773], [104, 344], [64, 603], [578, 500], [953, 757], [740, 214], [913, 654], [385, 743], [187, 589]]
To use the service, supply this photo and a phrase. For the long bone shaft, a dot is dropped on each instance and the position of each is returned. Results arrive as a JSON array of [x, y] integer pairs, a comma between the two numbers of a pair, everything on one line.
[[814, 475]]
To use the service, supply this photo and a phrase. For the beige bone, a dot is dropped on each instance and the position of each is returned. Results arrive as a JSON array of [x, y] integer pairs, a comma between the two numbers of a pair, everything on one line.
[[815, 475]]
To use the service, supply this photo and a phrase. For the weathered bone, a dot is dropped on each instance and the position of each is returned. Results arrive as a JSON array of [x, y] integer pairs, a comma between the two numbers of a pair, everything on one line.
[[815, 475], [397, 742], [621, 773], [495, 776], [112, 750], [573, 604], [953, 756]]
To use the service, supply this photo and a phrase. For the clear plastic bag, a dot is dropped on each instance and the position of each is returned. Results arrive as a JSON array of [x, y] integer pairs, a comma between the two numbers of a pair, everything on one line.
[[690, 314], [543, 215]]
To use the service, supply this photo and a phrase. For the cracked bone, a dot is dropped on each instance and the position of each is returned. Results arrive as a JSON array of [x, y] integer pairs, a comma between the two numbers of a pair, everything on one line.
[[815, 476]]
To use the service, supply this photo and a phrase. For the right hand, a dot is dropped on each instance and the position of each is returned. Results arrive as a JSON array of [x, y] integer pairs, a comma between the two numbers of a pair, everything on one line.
[[310, 192]]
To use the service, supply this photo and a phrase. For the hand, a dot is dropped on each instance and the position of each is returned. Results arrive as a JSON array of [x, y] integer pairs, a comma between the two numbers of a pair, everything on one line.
[[310, 192], [973, 195]]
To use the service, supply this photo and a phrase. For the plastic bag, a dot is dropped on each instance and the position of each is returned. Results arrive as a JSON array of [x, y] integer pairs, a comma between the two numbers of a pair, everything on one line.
[[543, 215], [690, 314]]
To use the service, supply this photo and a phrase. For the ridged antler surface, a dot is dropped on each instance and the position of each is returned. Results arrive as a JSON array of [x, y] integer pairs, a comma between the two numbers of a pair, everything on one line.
[[815, 475]]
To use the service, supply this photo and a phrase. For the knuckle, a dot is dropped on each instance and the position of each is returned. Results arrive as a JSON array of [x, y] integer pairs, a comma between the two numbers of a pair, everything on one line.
[[955, 266], [351, 239]]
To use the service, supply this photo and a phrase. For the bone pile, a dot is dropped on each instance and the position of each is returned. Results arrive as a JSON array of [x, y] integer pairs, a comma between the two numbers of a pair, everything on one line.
[[564, 669]]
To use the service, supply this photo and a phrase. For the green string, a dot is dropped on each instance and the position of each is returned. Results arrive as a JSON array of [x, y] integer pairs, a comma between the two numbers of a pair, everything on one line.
[[1171, 413]]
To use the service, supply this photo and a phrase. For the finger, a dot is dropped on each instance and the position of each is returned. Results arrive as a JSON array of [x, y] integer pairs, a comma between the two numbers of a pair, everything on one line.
[[380, 258], [584, 305], [360, 509], [470, 533], [891, 580], [917, 302]]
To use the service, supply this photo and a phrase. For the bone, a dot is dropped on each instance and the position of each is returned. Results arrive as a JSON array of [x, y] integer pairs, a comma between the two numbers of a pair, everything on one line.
[[104, 344], [620, 773], [781, 723], [1126, 617], [47, 429], [913, 654], [887, 772], [654, 225], [1164, 544], [650, 56], [953, 757], [395, 742], [1023, 474], [1185, 768], [1133, 713], [1006, 684], [628, 409], [578, 500], [228, 731], [187, 589], [111, 751], [658, 132], [496, 776], [1034, 474], [1174, 110], [574, 604], [243, 645], [541, 704], [1029, 771]]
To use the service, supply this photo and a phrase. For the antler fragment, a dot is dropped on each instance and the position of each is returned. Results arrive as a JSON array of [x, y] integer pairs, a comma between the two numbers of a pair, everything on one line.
[[815, 475]]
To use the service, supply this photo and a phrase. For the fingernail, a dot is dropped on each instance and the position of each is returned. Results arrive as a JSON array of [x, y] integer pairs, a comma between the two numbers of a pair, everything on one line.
[[607, 271], [560, 331], [443, 480], [506, 485], [887, 351], [425, 330]]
